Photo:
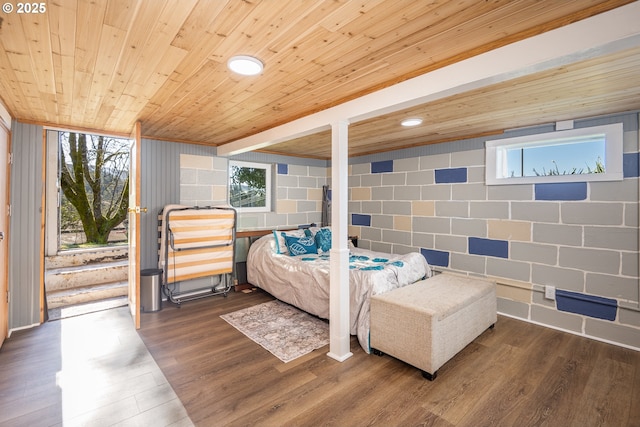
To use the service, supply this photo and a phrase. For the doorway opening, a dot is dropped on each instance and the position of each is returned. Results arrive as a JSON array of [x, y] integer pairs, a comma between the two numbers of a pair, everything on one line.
[[86, 242]]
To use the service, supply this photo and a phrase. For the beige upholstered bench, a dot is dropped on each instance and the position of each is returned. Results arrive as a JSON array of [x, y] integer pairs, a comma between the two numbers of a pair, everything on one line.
[[428, 322]]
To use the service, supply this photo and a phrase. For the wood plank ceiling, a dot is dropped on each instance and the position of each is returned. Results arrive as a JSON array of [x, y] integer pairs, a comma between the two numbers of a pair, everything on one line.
[[104, 64]]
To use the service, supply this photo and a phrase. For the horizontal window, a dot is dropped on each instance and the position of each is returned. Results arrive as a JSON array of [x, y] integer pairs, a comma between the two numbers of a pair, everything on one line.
[[588, 154]]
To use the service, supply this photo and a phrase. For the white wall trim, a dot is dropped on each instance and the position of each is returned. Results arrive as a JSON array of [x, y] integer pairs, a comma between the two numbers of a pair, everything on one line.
[[21, 328]]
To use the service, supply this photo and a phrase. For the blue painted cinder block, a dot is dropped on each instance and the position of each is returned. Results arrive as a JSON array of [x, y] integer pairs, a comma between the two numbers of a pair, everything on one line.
[[433, 257], [631, 165], [283, 169], [359, 219], [381, 167], [587, 305], [444, 176], [561, 191], [488, 247]]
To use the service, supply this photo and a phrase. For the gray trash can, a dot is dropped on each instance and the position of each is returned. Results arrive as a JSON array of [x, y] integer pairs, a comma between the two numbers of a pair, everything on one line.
[[151, 290]]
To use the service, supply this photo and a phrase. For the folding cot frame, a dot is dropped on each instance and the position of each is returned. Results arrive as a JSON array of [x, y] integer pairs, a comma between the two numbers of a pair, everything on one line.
[[196, 242]]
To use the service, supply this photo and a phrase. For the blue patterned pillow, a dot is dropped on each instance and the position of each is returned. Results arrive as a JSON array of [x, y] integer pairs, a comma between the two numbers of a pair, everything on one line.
[[300, 245], [280, 245], [323, 239]]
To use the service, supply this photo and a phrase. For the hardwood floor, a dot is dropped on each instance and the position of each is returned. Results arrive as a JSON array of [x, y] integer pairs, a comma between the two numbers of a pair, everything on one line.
[[89, 370], [517, 374], [94, 370]]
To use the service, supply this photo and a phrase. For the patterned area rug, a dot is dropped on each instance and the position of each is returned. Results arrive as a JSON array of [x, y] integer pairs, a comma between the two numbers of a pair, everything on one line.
[[285, 331]]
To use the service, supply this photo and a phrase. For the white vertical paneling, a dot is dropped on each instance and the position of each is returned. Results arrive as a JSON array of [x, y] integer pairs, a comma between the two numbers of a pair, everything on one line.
[[26, 209]]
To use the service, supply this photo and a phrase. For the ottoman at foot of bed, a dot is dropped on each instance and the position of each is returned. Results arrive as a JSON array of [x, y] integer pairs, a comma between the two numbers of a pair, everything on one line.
[[428, 322]]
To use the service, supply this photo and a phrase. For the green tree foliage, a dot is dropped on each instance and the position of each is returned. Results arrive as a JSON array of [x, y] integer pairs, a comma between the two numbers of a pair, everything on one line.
[[248, 186], [95, 180]]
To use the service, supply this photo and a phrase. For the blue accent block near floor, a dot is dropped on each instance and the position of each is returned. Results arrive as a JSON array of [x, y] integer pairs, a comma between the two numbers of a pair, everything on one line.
[[451, 175], [434, 257], [283, 169], [561, 191], [489, 247], [381, 167], [359, 219], [587, 305], [631, 165]]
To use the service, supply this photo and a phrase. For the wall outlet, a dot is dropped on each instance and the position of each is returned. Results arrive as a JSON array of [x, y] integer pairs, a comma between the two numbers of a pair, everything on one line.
[[550, 292]]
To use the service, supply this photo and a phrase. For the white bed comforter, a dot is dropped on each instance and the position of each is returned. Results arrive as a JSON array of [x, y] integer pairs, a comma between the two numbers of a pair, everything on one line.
[[303, 281]]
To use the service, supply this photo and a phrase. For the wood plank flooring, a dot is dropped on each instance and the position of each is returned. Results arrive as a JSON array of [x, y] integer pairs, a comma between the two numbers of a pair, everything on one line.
[[517, 374], [94, 370], [89, 370]]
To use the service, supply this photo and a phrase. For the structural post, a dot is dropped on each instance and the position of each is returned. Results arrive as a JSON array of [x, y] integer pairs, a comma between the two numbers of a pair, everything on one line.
[[339, 337]]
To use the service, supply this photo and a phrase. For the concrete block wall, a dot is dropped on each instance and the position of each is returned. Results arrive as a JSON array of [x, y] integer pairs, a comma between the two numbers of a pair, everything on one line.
[[579, 238], [297, 193], [297, 198], [203, 180]]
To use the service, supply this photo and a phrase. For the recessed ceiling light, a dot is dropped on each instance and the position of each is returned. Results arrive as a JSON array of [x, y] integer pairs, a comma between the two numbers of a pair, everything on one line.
[[245, 65], [415, 121]]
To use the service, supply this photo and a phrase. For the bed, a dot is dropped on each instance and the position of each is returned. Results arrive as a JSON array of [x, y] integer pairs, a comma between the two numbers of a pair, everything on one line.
[[302, 279]]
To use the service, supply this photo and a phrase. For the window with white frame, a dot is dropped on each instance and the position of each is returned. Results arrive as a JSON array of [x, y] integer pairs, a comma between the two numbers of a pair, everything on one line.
[[586, 154], [250, 186]]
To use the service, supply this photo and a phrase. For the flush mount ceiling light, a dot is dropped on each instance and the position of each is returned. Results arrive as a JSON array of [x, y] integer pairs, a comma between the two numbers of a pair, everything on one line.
[[414, 121], [245, 65]]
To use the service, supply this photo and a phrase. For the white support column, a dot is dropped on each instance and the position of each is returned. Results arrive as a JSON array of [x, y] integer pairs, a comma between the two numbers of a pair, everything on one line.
[[339, 337]]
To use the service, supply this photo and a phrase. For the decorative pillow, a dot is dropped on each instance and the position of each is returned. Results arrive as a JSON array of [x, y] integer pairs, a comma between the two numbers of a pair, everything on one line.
[[323, 239], [313, 230], [300, 245], [276, 240], [279, 244]]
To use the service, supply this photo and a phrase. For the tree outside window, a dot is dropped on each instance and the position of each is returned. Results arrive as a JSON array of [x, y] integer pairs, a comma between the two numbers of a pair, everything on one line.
[[94, 179], [249, 186]]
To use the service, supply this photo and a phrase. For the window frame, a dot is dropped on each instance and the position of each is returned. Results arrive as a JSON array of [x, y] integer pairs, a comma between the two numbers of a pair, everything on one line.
[[614, 136], [268, 185]]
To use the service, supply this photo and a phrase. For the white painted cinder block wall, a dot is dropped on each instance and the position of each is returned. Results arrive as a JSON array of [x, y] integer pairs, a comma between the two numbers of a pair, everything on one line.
[[585, 246]]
